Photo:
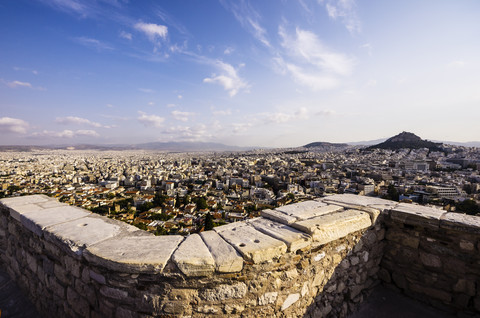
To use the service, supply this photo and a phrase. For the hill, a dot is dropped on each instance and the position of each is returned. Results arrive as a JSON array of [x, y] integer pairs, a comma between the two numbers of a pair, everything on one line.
[[322, 144], [406, 140]]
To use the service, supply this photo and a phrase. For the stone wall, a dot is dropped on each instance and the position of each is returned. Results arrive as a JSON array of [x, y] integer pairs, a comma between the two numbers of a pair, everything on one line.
[[312, 259], [434, 256]]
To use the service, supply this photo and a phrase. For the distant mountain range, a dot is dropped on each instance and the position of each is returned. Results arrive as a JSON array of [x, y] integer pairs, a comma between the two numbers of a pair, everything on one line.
[[160, 146], [323, 144], [403, 140], [406, 140]]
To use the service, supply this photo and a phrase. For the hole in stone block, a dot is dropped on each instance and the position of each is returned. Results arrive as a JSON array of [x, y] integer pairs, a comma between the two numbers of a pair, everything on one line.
[[84, 224], [242, 245], [257, 241]]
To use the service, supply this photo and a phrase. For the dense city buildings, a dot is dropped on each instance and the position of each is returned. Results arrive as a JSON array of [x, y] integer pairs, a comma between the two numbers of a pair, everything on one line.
[[182, 193]]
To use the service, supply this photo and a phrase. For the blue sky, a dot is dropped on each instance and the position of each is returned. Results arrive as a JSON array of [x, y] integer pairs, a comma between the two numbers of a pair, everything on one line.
[[248, 73]]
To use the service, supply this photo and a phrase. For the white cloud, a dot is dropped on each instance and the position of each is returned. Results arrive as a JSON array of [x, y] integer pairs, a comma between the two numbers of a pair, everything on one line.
[[146, 90], [66, 133], [69, 5], [125, 35], [150, 120], [222, 112], [229, 79], [72, 120], [315, 81], [229, 50], [343, 10], [186, 133], [171, 105], [325, 112], [310, 62], [109, 105], [241, 127], [153, 31], [89, 133], [249, 18], [93, 43], [306, 47], [179, 96], [280, 117], [151, 103], [368, 47], [15, 84], [13, 125], [181, 116]]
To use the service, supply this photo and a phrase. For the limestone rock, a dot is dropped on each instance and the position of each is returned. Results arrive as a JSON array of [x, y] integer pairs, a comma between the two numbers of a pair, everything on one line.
[[193, 257]]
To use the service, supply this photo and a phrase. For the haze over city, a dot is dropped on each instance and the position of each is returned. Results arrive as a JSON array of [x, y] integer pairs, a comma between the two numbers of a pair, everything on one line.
[[246, 73]]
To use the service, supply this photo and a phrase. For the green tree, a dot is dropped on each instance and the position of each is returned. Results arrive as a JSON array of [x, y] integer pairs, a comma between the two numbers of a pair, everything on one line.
[[392, 193], [208, 222], [201, 203], [159, 199], [468, 206], [177, 201]]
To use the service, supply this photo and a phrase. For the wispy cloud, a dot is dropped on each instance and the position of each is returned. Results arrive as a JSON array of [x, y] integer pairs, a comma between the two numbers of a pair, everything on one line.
[[310, 62], [150, 120], [343, 10], [187, 133], [125, 35], [65, 134], [282, 117], [15, 84], [76, 6], [93, 43], [222, 112], [249, 18], [153, 31], [229, 78], [34, 72], [72, 120], [306, 46], [146, 90], [182, 116], [13, 125]]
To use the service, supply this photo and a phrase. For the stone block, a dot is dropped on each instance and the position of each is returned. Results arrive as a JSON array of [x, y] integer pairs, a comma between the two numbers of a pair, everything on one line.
[[251, 243], [37, 221], [267, 298], [430, 260], [308, 209], [402, 238], [294, 239], [113, 293], [417, 215], [359, 200], [278, 216], [460, 222], [77, 303], [464, 286], [133, 253], [290, 300], [330, 227], [224, 291], [99, 278], [193, 257], [227, 259], [80, 233]]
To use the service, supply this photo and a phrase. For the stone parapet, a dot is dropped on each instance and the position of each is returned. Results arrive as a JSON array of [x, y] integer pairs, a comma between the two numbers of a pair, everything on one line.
[[316, 258]]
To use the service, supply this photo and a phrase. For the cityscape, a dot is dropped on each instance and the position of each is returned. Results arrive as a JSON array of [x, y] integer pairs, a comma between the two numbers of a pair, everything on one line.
[[183, 193]]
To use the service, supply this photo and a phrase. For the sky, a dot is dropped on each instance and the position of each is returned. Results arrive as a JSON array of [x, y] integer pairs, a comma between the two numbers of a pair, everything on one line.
[[269, 73]]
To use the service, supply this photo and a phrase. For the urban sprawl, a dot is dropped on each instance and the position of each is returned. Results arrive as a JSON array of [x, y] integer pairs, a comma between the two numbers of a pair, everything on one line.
[[182, 193]]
